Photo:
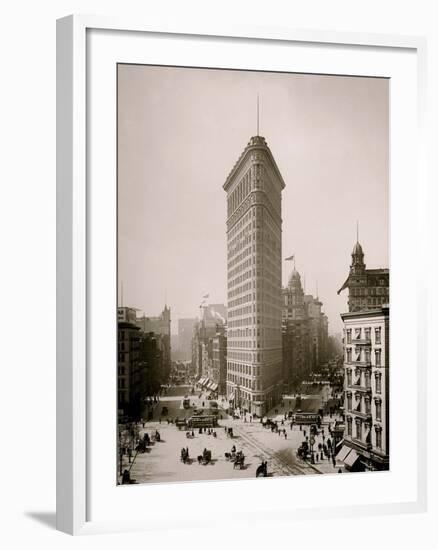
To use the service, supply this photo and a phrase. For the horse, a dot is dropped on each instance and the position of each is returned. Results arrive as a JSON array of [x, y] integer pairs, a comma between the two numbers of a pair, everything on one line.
[[199, 459]]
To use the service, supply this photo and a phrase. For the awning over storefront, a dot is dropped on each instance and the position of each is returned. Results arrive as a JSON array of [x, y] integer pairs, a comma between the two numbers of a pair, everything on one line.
[[343, 453], [231, 398], [214, 386], [201, 381], [351, 459]]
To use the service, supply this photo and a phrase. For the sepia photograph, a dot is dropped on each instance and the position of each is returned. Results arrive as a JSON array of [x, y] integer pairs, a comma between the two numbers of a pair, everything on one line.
[[252, 274]]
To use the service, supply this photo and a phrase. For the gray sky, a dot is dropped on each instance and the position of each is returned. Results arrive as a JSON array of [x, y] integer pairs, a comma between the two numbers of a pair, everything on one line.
[[180, 133]]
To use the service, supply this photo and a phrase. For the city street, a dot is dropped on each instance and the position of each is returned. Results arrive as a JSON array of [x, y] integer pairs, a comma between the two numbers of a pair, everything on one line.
[[162, 463]]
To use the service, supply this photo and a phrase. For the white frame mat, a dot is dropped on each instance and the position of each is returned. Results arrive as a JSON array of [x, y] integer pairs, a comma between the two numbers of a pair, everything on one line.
[[88, 48]]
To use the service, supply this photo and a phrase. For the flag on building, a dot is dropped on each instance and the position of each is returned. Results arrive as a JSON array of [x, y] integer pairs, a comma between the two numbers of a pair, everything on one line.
[[289, 258], [206, 296]]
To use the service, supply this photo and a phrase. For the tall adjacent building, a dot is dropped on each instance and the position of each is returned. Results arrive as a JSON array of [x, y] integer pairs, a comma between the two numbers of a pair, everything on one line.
[[305, 333], [185, 334], [209, 347], [254, 339], [159, 325], [140, 363]]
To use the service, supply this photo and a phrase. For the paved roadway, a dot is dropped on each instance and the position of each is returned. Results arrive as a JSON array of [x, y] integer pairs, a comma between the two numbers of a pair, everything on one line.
[[162, 461]]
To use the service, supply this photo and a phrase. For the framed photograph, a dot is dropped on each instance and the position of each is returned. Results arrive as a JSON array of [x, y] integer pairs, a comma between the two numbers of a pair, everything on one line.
[[240, 219]]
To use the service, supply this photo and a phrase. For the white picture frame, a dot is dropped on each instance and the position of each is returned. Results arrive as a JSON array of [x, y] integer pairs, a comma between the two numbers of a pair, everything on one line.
[[75, 215]]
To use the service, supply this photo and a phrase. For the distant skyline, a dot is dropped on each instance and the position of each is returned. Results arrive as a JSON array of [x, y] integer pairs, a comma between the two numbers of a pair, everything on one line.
[[180, 132]]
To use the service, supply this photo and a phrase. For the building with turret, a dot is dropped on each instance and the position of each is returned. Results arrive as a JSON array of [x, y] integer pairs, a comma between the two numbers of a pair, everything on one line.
[[254, 340], [367, 288], [366, 367]]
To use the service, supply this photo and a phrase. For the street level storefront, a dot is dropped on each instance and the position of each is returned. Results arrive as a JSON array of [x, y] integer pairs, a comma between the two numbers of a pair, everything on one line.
[[253, 403]]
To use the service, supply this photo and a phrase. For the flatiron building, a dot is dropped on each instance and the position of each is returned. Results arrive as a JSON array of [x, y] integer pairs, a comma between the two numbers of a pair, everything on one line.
[[254, 343]]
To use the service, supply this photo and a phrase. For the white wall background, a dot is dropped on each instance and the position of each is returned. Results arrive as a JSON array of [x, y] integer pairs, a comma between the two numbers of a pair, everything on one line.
[[27, 265]]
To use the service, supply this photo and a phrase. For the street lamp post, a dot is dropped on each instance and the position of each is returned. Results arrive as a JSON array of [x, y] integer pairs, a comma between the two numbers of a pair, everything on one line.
[[312, 442]]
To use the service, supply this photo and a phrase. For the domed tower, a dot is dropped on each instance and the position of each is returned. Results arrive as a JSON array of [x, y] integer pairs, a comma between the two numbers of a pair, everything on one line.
[[357, 279], [357, 266], [294, 296], [295, 282]]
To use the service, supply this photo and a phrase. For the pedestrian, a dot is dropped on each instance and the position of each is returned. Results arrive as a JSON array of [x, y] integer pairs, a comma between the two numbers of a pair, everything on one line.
[[143, 424], [285, 434], [334, 460], [304, 432]]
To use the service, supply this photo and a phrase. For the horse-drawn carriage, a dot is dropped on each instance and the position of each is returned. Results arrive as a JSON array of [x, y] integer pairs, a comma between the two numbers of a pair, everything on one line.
[[239, 461], [303, 450], [268, 423], [205, 458], [262, 470], [237, 458], [185, 455]]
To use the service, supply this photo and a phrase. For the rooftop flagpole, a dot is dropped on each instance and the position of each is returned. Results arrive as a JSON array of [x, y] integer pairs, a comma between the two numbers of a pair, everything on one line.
[[258, 114]]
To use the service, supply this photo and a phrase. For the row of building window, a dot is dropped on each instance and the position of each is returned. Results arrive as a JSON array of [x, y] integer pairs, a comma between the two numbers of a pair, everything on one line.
[[359, 433], [242, 189], [377, 377], [364, 356], [365, 333], [246, 252], [363, 405]]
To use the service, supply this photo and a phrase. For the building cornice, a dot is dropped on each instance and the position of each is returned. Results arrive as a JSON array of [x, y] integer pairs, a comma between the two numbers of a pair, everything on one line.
[[256, 143], [381, 312]]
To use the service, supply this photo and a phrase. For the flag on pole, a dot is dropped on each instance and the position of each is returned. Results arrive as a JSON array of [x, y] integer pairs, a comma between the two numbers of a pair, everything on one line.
[[206, 296], [290, 258]]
